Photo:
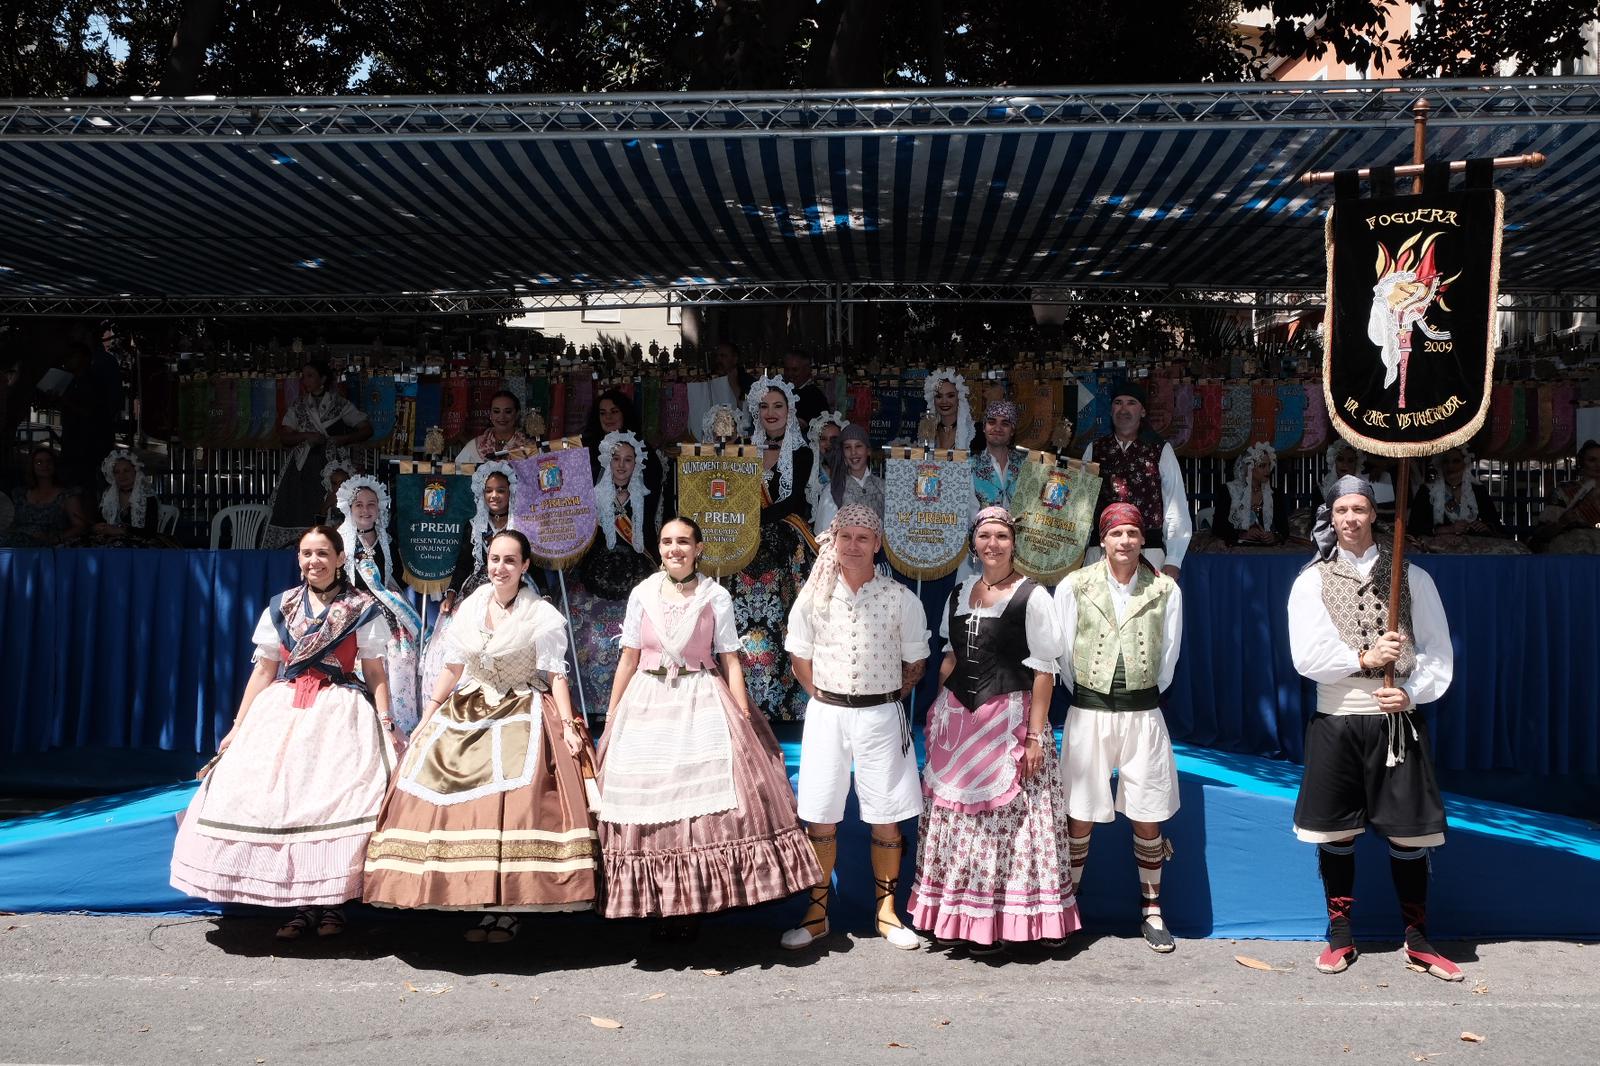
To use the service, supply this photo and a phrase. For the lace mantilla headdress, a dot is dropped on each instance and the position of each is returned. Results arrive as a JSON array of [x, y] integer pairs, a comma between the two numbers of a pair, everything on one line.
[[791, 433], [109, 500], [347, 528], [480, 517], [814, 438], [1239, 487], [605, 488], [964, 431]]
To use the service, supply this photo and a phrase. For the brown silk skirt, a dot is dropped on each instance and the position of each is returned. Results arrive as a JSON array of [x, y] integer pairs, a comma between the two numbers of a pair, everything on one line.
[[512, 844], [751, 854]]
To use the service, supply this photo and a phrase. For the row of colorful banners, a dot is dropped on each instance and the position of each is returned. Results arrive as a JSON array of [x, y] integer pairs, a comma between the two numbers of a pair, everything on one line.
[[926, 520]]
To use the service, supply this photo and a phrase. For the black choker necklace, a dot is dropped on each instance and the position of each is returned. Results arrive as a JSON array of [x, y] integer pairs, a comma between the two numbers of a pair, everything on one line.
[[329, 587], [681, 580], [992, 585]]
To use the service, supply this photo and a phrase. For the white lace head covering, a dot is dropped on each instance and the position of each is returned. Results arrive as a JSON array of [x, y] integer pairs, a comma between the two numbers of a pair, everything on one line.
[[605, 488], [335, 464], [1439, 493], [814, 438], [964, 431], [1330, 458], [109, 500], [480, 517], [347, 528], [791, 433], [741, 423], [1239, 488]]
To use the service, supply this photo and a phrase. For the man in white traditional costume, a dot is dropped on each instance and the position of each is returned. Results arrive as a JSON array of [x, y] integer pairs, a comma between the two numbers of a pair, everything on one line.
[[858, 641]]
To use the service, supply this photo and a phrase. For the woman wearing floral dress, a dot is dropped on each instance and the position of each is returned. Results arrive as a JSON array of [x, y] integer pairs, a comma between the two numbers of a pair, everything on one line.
[[619, 559], [764, 591], [320, 428], [992, 867]]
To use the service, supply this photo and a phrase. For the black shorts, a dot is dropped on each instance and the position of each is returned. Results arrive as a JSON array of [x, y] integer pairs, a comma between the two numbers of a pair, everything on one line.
[[1347, 785]]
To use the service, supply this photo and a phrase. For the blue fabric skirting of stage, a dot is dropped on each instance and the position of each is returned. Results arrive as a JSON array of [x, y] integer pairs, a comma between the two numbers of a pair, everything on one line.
[[1237, 870], [150, 649]]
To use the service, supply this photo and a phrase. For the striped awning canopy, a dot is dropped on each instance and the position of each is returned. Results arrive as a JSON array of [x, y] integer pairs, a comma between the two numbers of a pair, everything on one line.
[[151, 205]]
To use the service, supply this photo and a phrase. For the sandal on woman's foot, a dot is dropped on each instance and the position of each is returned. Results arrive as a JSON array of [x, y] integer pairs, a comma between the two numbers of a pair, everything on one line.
[[332, 923], [299, 925], [506, 928], [480, 932]]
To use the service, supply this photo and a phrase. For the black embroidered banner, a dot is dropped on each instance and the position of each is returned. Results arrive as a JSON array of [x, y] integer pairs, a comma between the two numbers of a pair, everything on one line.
[[1412, 282]]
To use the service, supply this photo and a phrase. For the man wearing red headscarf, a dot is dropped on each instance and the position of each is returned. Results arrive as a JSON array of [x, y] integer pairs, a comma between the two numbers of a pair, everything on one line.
[[1122, 623]]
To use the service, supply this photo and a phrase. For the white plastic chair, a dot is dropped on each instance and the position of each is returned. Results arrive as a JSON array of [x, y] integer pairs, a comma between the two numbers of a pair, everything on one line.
[[1202, 518], [247, 520], [168, 520]]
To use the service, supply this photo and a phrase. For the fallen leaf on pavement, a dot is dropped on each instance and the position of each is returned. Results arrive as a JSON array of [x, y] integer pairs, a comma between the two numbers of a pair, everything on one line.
[[411, 987], [602, 1023], [893, 1044], [534, 998], [654, 995], [715, 972], [441, 991], [142, 1029], [1480, 989], [1257, 964], [1472, 1038], [1425, 1056], [1383, 984]]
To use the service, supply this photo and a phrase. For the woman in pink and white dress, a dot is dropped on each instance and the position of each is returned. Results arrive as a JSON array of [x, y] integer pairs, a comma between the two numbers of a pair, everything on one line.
[[696, 812], [992, 867], [283, 816]]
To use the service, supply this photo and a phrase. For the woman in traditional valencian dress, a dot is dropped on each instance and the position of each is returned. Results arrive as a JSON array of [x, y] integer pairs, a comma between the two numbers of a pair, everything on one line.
[[370, 565], [619, 559], [1570, 522], [320, 426], [764, 591], [285, 810], [696, 812], [490, 810], [504, 433], [129, 514], [950, 403], [992, 866], [1454, 513]]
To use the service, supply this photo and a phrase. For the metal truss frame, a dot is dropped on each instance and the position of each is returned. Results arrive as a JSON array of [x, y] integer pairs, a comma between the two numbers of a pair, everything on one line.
[[799, 292], [1454, 102]]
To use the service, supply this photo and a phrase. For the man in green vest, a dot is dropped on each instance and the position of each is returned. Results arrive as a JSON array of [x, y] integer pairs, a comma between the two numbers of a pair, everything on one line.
[[1123, 624]]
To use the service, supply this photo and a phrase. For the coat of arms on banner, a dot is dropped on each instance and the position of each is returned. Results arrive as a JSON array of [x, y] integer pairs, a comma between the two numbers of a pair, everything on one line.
[[1054, 512], [928, 506], [1412, 287], [721, 490], [554, 503], [432, 512]]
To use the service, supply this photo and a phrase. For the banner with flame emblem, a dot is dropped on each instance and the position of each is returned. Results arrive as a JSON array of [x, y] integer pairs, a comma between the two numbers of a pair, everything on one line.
[[1412, 285]]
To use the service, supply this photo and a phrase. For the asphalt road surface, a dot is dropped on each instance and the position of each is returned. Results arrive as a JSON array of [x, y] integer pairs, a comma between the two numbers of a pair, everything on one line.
[[78, 989]]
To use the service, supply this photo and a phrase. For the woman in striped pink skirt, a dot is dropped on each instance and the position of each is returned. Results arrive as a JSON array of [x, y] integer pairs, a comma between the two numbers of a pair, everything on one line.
[[696, 812], [992, 867]]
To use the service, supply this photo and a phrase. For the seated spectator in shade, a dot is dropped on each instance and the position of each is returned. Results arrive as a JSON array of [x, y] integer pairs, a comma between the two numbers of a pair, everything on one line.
[[1570, 521], [129, 513], [1249, 514], [45, 513], [1454, 513]]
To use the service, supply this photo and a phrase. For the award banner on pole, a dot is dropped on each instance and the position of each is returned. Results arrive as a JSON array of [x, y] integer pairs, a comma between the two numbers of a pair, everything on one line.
[[554, 503], [927, 508], [1412, 285], [433, 508], [722, 491], [1053, 508]]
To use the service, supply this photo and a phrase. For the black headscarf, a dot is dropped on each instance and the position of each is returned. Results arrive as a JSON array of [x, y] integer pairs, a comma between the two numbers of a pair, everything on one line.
[[1322, 533]]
